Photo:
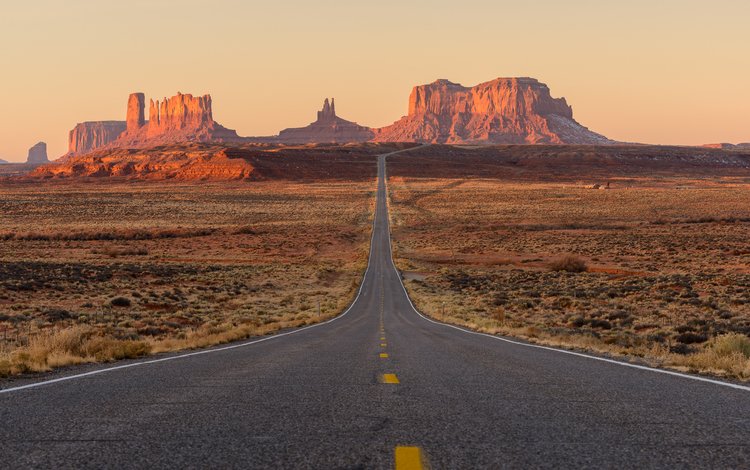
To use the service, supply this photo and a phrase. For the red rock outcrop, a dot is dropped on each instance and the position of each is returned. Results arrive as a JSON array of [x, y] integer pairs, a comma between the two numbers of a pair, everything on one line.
[[181, 118], [504, 111], [38, 154], [328, 128], [88, 136], [135, 118]]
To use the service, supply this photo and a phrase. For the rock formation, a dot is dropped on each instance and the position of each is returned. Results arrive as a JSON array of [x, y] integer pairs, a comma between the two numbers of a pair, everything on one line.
[[328, 128], [182, 118], [3, 161], [88, 136], [502, 111], [135, 118], [38, 154], [727, 146]]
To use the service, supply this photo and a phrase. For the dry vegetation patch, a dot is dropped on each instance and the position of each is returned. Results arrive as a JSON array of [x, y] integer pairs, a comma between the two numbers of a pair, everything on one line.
[[102, 271], [658, 269]]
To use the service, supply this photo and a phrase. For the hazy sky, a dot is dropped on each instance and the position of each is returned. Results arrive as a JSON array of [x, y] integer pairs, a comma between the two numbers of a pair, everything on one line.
[[658, 71]]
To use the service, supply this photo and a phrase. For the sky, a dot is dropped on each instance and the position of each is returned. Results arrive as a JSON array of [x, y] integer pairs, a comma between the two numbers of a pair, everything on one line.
[[656, 71]]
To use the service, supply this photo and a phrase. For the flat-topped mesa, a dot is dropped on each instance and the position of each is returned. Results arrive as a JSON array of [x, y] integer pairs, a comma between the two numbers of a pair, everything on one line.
[[328, 128], [181, 118], [504, 110], [88, 136]]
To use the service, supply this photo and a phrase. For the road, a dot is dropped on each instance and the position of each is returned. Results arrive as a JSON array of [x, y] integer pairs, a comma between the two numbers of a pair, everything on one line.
[[376, 387]]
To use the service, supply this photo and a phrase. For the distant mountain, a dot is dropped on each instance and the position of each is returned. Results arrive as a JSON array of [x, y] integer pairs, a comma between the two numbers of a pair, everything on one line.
[[328, 128], [501, 111]]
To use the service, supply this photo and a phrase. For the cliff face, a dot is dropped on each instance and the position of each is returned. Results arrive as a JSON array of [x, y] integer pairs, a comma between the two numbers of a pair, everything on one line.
[[328, 128], [181, 118], [38, 154], [505, 110], [135, 118], [88, 136]]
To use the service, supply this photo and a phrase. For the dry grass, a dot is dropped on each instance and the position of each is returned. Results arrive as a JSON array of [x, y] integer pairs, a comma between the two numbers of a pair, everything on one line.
[[655, 269], [92, 272]]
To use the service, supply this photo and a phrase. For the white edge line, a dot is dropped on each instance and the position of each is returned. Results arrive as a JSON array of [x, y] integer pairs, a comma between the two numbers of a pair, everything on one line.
[[547, 348], [233, 346]]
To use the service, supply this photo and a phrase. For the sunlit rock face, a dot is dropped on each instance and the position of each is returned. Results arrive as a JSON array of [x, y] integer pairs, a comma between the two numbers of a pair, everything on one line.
[[504, 110], [181, 118], [88, 136], [328, 128]]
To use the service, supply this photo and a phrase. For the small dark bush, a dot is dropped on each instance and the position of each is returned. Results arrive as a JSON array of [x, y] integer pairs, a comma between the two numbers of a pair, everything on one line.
[[603, 324], [691, 338], [57, 314], [120, 302]]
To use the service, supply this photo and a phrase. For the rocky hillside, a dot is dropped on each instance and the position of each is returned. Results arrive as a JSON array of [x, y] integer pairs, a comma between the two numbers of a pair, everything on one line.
[[502, 111]]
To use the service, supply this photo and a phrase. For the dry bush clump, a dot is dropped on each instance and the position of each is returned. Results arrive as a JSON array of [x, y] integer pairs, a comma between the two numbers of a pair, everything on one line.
[[138, 268], [570, 264], [498, 253]]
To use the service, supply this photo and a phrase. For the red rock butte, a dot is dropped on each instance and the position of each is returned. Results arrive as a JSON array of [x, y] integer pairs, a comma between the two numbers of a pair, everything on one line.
[[181, 118], [501, 111], [328, 128]]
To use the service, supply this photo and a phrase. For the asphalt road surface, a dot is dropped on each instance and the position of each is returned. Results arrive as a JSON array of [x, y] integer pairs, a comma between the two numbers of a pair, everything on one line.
[[376, 387]]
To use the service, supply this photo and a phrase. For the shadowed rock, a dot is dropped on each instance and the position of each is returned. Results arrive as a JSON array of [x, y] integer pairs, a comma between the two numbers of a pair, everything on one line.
[[328, 128], [38, 154]]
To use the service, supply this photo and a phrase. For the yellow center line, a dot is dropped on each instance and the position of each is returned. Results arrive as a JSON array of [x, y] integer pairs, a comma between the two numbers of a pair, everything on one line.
[[382, 345], [382, 338], [409, 458], [384, 355], [390, 379]]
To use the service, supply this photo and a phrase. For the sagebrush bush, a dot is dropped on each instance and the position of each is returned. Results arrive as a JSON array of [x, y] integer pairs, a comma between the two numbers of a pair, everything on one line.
[[570, 264]]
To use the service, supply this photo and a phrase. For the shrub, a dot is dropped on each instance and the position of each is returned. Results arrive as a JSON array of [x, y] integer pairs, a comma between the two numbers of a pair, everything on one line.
[[570, 264], [726, 345], [691, 338], [120, 302]]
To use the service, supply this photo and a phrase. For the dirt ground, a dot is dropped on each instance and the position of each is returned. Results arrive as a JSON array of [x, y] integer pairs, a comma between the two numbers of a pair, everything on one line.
[[160, 266]]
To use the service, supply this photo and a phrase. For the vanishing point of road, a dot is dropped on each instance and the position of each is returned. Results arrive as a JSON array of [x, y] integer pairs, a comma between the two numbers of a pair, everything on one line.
[[377, 387]]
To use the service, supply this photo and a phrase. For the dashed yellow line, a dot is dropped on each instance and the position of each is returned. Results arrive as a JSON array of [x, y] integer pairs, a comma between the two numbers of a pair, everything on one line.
[[382, 345], [390, 379], [409, 458], [383, 355], [382, 338]]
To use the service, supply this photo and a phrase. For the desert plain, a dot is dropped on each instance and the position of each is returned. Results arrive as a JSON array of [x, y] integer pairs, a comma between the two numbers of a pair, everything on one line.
[[638, 253]]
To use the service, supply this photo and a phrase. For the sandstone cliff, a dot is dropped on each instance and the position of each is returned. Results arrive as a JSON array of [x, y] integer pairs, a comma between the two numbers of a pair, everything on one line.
[[88, 136], [181, 118], [38, 154], [328, 128], [503, 111]]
